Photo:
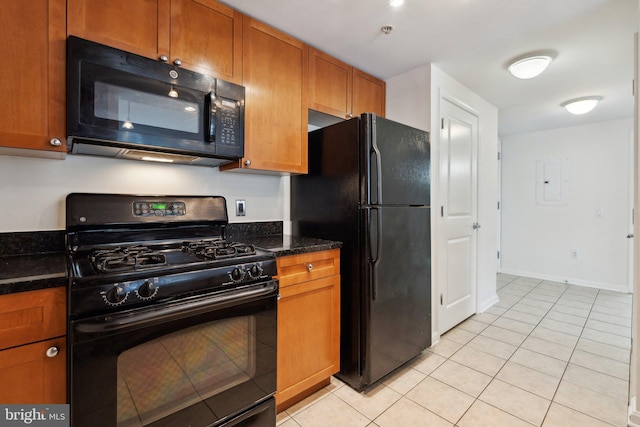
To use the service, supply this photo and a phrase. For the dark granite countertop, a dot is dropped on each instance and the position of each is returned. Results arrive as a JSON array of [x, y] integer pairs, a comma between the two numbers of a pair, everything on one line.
[[20, 273], [285, 244], [36, 260]]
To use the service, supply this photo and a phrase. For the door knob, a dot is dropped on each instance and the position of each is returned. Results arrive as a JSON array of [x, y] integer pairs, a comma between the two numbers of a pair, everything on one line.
[[475, 225]]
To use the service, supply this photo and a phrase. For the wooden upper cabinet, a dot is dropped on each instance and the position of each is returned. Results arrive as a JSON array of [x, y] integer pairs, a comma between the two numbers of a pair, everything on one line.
[[124, 24], [207, 37], [275, 78], [33, 76], [203, 35], [330, 84], [338, 89], [369, 94]]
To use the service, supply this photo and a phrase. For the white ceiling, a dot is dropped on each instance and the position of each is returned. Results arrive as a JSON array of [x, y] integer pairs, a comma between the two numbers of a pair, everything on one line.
[[472, 40]]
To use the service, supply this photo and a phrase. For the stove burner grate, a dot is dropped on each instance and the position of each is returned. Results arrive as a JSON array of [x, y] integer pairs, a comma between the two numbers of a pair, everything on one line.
[[218, 249], [126, 259]]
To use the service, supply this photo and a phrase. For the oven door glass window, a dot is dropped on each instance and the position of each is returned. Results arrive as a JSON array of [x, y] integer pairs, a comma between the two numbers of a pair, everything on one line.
[[198, 362], [168, 374]]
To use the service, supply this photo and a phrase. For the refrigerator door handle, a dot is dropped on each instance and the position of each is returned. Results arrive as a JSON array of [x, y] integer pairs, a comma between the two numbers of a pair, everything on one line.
[[375, 260], [376, 151]]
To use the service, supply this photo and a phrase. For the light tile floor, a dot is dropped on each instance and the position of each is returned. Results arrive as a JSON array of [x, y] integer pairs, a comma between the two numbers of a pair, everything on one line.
[[548, 354]]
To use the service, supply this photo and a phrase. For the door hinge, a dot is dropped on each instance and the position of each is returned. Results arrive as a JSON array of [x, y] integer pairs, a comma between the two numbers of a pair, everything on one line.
[[499, 155], [498, 254], [441, 298], [442, 123], [498, 205], [442, 211]]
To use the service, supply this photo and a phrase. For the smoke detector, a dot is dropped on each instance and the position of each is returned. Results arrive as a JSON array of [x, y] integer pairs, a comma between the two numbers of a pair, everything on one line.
[[386, 29]]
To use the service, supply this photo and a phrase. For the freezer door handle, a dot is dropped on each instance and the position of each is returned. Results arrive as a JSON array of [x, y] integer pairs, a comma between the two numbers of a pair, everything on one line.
[[375, 260]]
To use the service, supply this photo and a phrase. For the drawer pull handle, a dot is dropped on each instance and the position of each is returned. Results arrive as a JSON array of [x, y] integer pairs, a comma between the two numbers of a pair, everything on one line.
[[309, 267], [52, 351]]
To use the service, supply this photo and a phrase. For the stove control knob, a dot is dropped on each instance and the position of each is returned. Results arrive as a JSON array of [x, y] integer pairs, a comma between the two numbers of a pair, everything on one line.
[[255, 271], [237, 274], [147, 290], [115, 295]]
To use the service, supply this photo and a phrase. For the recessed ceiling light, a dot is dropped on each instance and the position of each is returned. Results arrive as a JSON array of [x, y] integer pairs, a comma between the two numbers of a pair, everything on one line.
[[581, 105], [396, 3], [529, 66]]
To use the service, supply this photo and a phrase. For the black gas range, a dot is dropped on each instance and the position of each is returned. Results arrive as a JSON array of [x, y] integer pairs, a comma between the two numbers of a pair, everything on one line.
[[132, 251], [156, 291]]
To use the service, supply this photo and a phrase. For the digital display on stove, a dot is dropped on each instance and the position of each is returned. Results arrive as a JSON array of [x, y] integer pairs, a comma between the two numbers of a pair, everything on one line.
[[159, 208]]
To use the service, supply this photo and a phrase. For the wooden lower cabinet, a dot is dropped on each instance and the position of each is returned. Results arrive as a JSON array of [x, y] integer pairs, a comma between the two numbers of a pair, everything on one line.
[[34, 373], [33, 347], [308, 325]]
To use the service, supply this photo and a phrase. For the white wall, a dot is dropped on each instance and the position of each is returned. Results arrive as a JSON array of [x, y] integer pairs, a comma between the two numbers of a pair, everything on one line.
[[407, 98], [33, 190], [537, 240], [413, 98]]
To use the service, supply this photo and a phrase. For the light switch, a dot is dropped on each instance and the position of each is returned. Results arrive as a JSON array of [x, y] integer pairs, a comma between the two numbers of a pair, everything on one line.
[[241, 208]]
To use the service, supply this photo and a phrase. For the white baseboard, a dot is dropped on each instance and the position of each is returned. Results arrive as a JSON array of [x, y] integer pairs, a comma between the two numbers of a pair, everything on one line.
[[570, 280], [435, 338], [633, 419], [486, 304]]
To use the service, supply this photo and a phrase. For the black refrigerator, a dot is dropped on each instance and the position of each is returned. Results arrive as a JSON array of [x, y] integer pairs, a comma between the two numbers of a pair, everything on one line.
[[368, 187]]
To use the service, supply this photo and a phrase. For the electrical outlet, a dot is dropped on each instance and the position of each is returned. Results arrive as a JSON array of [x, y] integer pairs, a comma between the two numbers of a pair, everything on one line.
[[241, 208], [574, 254]]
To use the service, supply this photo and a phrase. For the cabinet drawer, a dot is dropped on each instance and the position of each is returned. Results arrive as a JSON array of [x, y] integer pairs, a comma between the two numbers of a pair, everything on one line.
[[294, 269], [31, 316]]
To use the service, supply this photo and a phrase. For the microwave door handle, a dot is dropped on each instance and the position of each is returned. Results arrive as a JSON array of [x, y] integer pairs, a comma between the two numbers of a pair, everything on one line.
[[210, 108]]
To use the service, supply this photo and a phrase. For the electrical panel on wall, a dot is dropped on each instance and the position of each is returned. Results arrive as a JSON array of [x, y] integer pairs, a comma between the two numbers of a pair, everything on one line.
[[551, 182]]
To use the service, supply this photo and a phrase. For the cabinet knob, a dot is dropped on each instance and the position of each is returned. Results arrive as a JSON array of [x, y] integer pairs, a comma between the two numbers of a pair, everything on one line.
[[163, 58], [177, 62], [349, 116], [55, 142], [309, 267], [52, 351], [247, 162]]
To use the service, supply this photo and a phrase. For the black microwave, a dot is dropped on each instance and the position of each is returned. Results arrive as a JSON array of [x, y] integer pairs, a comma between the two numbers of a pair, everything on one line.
[[123, 105]]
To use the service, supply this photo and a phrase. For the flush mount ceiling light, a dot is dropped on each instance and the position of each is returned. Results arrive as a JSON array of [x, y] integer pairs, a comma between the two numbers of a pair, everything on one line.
[[396, 3], [530, 65], [581, 105]]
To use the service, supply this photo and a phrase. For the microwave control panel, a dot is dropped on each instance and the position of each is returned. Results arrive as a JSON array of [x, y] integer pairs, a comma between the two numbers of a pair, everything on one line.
[[228, 121]]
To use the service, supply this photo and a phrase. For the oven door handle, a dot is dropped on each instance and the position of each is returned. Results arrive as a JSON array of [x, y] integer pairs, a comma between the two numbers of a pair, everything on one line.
[[181, 309]]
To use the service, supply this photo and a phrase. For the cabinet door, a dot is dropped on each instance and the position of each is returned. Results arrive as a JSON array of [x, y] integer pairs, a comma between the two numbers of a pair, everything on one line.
[[204, 35], [33, 75], [330, 82], [207, 37], [308, 336], [139, 26], [34, 373], [275, 71], [368, 94]]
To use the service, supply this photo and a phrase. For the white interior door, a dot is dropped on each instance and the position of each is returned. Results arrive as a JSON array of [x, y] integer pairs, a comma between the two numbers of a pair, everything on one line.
[[457, 257]]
